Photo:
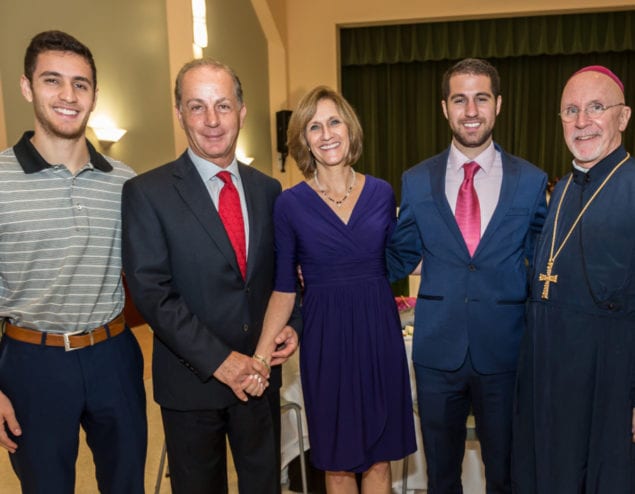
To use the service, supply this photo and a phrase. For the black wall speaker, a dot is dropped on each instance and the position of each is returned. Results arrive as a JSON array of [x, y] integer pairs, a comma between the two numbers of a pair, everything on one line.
[[282, 123]]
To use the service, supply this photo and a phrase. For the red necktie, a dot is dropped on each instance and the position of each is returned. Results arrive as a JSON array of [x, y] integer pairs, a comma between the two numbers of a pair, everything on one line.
[[468, 211], [231, 214]]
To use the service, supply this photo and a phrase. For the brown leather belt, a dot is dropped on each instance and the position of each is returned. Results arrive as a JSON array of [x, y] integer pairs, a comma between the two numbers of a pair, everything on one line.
[[70, 341]]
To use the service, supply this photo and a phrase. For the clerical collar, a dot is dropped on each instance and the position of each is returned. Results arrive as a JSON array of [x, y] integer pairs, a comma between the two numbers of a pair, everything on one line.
[[580, 168], [598, 171]]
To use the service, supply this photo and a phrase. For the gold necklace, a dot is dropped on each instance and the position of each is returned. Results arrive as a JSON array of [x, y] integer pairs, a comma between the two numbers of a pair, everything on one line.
[[324, 193], [548, 277]]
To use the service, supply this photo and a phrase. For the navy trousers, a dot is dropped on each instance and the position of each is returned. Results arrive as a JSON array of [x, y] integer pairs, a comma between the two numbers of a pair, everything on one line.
[[445, 398], [54, 392]]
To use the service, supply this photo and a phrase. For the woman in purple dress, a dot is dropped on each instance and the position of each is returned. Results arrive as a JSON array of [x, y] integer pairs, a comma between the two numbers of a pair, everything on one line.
[[335, 225]]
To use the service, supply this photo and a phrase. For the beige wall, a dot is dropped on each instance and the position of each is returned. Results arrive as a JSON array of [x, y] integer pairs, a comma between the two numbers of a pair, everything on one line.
[[179, 35], [280, 49], [139, 47], [312, 28], [237, 39], [129, 44], [278, 12], [3, 128]]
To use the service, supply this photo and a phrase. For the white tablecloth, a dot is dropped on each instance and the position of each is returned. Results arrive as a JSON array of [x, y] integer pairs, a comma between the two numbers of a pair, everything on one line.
[[473, 474], [291, 391]]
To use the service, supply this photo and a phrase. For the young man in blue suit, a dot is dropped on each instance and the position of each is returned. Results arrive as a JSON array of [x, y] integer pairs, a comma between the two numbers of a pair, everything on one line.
[[471, 216], [198, 255]]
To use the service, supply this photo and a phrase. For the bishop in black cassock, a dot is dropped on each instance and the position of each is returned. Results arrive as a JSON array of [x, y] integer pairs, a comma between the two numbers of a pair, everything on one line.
[[574, 411]]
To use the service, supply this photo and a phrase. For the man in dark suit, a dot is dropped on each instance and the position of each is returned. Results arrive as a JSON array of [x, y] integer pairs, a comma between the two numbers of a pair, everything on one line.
[[471, 215], [198, 256]]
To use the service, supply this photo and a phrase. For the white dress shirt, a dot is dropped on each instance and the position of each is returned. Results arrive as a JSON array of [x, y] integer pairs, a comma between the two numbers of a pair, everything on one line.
[[208, 170], [487, 180]]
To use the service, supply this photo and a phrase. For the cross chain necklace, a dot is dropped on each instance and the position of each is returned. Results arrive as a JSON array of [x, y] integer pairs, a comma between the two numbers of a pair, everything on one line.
[[548, 277]]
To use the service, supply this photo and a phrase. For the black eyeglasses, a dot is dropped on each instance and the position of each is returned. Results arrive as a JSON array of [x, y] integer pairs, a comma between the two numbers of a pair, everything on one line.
[[592, 110]]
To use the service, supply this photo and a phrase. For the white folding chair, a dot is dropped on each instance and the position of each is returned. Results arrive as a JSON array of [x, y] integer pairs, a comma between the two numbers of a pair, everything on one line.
[[287, 406], [162, 468]]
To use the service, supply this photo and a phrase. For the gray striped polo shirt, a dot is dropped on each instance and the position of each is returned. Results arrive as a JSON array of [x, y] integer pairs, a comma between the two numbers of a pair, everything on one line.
[[60, 240]]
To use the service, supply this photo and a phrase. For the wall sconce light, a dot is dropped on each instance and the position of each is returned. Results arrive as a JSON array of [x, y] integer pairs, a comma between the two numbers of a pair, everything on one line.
[[108, 136], [243, 158], [105, 130]]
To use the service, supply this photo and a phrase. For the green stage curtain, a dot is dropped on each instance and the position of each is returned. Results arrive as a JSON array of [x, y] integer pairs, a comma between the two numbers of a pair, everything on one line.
[[392, 77], [489, 38]]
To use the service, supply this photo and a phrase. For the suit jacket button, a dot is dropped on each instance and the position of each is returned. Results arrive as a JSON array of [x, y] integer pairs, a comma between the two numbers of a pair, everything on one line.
[[471, 267], [245, 327]]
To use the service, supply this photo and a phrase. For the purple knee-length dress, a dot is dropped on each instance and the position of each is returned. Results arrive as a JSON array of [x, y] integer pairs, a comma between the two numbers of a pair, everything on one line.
[[352, 358]]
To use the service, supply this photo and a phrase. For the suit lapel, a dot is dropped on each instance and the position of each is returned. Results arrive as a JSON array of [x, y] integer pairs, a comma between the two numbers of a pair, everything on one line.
[[253, 198], [194, 193], [438, 171]]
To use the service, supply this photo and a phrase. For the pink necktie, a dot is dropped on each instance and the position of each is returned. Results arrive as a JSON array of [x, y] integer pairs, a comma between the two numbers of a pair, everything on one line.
[[468, 211], [231, 214]]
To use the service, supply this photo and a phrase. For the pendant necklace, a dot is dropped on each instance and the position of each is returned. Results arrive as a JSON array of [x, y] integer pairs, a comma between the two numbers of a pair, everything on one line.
[[324, 193], [548, 277]]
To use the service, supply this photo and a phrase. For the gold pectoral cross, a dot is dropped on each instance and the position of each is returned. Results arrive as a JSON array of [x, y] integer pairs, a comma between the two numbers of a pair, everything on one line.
[[548, 278]]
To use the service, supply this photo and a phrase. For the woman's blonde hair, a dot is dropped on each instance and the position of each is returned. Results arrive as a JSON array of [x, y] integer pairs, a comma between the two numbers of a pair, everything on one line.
[[296, 134]]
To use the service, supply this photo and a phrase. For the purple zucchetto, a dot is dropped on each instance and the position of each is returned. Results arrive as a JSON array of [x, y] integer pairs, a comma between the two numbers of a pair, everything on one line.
[[602, 70]]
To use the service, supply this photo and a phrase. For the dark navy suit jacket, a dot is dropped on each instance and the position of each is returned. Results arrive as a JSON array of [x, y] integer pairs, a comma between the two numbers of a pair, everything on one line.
[[182, 272], [475, 303]]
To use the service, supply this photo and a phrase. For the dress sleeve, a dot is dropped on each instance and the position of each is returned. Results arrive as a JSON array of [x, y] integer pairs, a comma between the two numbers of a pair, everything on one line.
[[285, 242]]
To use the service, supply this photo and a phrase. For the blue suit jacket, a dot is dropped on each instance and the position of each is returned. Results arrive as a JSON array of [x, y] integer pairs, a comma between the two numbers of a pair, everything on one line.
[[468, 303]]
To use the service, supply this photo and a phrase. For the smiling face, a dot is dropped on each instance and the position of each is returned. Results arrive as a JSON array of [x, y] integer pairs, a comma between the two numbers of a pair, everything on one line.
[[62, 92], [471, 111], [210, 114], [592, 139], [327, 135]]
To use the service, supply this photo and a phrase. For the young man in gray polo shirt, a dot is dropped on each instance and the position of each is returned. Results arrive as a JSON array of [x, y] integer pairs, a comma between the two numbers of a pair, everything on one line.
[[61, 289]]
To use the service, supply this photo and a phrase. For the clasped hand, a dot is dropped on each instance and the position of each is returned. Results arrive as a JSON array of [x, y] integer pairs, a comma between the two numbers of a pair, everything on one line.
[[242, 373], [247, 375], [256, 383]]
